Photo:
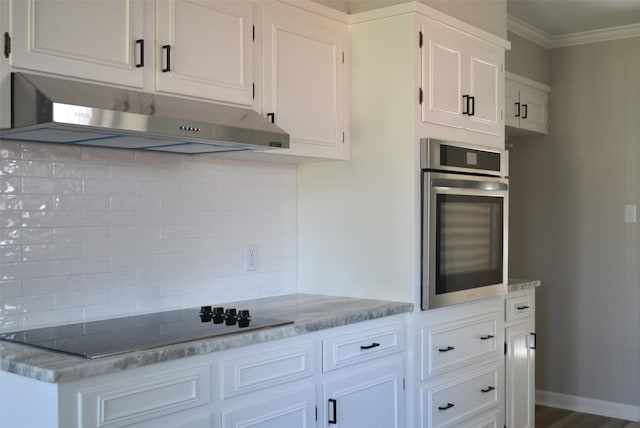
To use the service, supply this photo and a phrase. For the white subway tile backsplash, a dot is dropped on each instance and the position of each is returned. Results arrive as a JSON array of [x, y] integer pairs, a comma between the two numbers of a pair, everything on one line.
[[93, 233]]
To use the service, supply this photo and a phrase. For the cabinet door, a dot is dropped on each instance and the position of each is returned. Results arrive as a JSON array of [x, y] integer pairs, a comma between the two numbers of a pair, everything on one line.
[[520, 376], [443, 76], [303, 79], [533, 107], [486, 86], [93, 40], [297, 409], [205, 49], [512, 104], [366, 398]]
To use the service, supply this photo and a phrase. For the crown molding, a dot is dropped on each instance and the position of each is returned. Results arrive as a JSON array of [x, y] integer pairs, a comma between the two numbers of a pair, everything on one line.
[[528, 31], [548, 41]]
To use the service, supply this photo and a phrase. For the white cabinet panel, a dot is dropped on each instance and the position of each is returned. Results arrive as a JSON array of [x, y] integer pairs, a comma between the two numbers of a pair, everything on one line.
[[527, 105], [368, 397], [361, 347], [455, 399], [94, 40], [142, 398], [303, 77], [462, 80], [296, 409], [257, 371], [205, 49]]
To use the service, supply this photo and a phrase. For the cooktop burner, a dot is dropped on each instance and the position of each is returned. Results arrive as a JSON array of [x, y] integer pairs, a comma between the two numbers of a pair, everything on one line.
[[97, 339]]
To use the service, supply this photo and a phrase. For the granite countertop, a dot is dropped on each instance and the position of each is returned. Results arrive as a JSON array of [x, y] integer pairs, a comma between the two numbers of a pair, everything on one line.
[[309, 312], [516, 284]]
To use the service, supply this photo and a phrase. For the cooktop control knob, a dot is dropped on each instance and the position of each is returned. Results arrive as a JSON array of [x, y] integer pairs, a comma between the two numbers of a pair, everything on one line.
[[218, 315], [244, 318], [230, 316]]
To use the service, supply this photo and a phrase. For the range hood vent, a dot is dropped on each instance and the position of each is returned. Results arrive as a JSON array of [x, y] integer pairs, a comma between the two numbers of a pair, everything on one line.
[[53, 110]]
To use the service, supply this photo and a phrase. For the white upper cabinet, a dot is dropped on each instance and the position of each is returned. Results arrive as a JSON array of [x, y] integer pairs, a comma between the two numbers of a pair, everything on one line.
[[97, 40], [462, 80], [303, 79], [527, 105], [205, 49]]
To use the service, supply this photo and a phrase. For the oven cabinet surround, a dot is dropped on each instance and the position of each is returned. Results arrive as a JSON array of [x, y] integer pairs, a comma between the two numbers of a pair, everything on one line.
[[520, 358], [526, 105], [460, 366], [308, 380], [286, 58]]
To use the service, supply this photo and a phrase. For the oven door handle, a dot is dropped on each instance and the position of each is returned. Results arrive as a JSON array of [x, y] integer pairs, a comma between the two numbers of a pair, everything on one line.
[[443, 183]]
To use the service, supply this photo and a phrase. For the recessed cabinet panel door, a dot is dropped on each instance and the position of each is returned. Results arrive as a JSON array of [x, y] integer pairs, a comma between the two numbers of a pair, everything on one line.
[[365, 399], [486, 88], [512, 110], [520, 376], [303, 80], [296, 409], [534, 110], [442, 74], [205, 49], [94, 40]]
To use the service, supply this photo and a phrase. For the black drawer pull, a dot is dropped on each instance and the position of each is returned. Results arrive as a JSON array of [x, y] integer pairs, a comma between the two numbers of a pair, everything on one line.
[[488, 389], [522, 308], [333, 405], [271, 117], [517, 110], [447, 349], [140, 43], [487, 337], [167, 49], [447, 407], [373, 345]]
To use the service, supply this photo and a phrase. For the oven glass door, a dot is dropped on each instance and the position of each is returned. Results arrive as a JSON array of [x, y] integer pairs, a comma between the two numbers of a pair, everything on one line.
[[468, 241], [464, 239]]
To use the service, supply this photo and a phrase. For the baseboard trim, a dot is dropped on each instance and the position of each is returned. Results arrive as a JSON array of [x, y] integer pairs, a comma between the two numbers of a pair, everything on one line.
[[588, 405]]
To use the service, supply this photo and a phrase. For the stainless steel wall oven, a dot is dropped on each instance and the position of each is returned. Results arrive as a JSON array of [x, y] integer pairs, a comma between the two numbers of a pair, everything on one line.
[[464, 222]]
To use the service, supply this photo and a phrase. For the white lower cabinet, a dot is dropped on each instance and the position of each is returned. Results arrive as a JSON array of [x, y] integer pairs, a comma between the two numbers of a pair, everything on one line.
[[461, 366], [356, 372], [520, 359], [369, 396]]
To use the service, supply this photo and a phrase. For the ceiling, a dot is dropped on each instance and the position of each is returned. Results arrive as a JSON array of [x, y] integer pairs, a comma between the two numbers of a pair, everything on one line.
[[561, 18]]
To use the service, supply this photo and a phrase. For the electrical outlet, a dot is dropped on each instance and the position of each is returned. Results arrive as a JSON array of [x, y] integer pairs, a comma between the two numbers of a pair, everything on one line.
[[251, 257], [630, 213]]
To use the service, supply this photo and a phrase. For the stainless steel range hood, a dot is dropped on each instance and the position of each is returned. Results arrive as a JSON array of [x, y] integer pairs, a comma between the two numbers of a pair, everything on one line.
[[46, 109]]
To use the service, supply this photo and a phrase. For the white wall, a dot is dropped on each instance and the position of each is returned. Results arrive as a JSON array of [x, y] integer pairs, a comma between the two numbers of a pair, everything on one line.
[[90, 233], [568, 191]]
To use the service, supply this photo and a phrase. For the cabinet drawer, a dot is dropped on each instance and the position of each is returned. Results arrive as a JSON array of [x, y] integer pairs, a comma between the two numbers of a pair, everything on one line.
[[253, 372], [362, 346], [142, 398], [452, 345], [450, 402], [518, 308]]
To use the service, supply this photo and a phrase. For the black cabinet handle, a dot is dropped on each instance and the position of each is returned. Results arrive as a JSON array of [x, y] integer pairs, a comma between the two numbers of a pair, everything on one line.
[[517, 110], [271, 117], [333, 405], [447, 407], [472, 111], [526, 109], [487, 337], [373, 345], [447, 349], [167, 49], [488, 389], [140, 43], [535, 341], [522, 308], [465, 104]]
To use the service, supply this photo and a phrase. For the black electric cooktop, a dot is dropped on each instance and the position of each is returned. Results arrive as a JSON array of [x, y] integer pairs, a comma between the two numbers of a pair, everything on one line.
[[95, 339]]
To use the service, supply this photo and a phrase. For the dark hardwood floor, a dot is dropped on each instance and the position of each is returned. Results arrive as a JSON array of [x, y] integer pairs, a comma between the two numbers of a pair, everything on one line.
[[549, 417]]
